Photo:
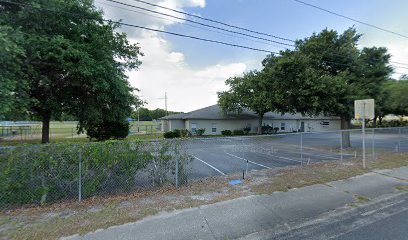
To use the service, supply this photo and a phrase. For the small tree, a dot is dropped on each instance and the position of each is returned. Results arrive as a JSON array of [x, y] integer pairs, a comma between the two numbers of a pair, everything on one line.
[[108, 130], [253, 91], [200, 131]]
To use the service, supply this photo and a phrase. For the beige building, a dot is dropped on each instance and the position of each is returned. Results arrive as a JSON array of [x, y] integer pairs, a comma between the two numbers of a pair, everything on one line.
[[214, 121]]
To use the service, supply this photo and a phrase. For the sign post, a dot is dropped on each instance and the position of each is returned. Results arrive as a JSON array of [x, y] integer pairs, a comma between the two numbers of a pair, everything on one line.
[[364, 109]]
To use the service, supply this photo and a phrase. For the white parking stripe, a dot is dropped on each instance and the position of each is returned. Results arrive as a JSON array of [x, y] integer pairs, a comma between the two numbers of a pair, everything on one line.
[[211, 166], [248, 160]]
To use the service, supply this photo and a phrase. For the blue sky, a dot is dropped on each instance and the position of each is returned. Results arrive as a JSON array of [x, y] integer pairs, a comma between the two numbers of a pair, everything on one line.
[[192, 71]]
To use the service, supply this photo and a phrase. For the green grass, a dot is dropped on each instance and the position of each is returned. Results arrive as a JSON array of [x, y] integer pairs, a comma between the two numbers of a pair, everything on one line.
[[402, 188], [361, 199], [66, 132]]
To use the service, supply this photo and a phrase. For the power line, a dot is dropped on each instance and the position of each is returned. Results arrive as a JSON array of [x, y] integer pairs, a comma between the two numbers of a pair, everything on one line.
[[192, 15], [400, 63], [401, 67], [199, 23], [215, 21], [192, 37], [352, 19], [171, 33], [190, 25], [151, 29]]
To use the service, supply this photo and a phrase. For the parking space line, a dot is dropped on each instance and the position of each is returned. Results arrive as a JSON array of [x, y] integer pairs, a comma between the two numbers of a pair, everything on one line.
[[232, 155], [289, 159], [211, 166]]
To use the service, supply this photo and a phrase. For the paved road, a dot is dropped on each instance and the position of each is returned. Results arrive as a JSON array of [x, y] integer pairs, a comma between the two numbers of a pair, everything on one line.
[[318, 212], [381, 220], [393, 228]]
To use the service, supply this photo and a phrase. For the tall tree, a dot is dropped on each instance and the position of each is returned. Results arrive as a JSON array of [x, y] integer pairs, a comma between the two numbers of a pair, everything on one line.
[[371, 73], [251, 91], [74, 61], [396, 101], [10, 62], [325, 73]]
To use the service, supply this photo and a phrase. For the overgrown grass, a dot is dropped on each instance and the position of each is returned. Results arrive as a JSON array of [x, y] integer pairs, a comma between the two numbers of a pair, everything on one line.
[[18, 142], [402, 188], [310, 175]]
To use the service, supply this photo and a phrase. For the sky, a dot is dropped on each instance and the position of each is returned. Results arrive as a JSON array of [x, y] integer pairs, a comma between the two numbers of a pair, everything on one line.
[[192, 71]]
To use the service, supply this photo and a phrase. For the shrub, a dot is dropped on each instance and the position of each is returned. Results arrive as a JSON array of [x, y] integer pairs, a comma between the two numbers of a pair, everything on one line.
[[238, 132], [266, 129], [226, 132], [200, 131], [169, 134], [46, 173], [176, 133], [185, 133], [108, 130], [276, 129], [394, 123], [247, 130]]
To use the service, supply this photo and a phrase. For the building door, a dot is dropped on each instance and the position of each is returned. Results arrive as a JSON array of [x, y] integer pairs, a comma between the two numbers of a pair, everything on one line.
[[193, 128], [302, 126]]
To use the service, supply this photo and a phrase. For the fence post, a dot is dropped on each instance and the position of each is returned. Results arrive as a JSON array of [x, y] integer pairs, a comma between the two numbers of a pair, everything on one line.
[[399, 139], [301, 148], [177, 172], [243, 156], [373, 144], [80, 177], [341, 146]]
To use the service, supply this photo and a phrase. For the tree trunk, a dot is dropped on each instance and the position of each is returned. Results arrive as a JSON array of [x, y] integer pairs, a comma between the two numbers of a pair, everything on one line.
[[380, 118], [375, 121], [46, 117], [260, 118], [345, 135]]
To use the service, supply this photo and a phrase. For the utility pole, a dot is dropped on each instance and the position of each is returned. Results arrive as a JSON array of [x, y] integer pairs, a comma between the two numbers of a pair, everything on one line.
[[165, 102], [138, 117]]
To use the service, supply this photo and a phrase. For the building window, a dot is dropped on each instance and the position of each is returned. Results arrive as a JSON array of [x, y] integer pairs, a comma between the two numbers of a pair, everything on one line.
[[326, 123], [194, 128], [283, 126], [214, 128]]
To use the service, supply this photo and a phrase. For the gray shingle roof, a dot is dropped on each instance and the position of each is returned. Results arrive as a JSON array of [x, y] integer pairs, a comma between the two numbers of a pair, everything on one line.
[[214, 112]]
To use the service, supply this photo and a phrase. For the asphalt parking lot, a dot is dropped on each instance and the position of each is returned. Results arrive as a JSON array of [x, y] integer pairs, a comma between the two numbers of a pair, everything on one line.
[[221, 156]]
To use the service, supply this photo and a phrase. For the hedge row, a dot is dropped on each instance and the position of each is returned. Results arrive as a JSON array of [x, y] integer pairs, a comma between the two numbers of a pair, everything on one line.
[[46, 173]]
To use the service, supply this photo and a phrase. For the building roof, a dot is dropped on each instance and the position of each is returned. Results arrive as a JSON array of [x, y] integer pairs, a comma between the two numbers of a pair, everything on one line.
[[214, 112]]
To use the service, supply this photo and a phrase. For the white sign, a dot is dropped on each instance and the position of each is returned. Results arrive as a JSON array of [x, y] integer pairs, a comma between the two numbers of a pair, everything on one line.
[[364, 109]]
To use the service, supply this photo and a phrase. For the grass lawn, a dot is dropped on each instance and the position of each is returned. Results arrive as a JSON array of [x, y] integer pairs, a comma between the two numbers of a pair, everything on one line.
[[66, 132]]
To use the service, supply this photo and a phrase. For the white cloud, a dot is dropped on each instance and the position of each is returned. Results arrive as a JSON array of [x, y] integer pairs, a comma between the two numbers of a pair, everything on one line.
[[166, 70], [396, 47], [187, 89]]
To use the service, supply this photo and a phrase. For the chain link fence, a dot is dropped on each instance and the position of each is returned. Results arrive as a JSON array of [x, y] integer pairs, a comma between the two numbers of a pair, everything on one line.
[[27, 131], [47, 173], [38, 174]]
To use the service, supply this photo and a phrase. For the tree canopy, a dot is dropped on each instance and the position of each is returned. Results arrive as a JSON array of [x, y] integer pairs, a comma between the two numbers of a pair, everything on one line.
[[396, 100], [144, 114], [323, 74], [326, 72], [69, 59], [252, 91]]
